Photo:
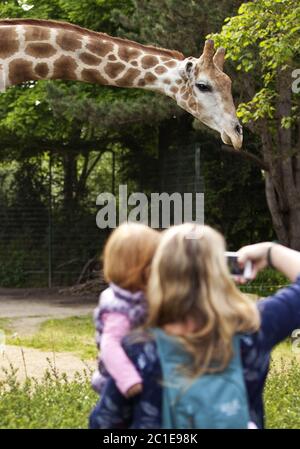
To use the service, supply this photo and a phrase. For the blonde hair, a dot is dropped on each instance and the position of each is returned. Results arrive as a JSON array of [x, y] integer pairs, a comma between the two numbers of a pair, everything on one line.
[[128, 255], [190, 280]]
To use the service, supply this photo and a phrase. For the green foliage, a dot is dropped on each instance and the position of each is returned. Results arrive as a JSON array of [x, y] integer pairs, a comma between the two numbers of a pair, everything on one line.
[[12, 268], [262, 40], [95, 14], [266, 283], [175, 24], [55, 402]]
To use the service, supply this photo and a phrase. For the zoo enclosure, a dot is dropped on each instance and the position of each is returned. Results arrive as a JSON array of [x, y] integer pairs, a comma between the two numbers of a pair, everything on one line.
[[39, 247]]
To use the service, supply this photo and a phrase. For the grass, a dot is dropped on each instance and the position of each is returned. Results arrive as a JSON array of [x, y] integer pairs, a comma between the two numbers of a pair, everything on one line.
[[282, 399], [55, 402], [5, 324], [75, 334]]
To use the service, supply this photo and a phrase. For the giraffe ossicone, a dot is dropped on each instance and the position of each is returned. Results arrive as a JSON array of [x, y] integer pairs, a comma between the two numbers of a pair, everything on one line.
[[32, 49]]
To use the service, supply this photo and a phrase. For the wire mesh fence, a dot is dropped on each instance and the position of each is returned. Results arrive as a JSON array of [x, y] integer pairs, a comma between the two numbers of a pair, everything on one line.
[[37, 254], [43, 245]]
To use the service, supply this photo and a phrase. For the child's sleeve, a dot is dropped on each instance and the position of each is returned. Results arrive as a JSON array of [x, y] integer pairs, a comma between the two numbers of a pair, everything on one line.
[[119, 366]]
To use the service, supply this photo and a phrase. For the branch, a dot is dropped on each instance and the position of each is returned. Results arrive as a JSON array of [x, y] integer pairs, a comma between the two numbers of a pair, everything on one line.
[[85, 268], [246, 155], [95, 162]]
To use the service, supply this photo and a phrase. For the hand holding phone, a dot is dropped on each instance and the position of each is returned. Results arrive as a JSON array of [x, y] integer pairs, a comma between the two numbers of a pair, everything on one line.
[[235, 269]]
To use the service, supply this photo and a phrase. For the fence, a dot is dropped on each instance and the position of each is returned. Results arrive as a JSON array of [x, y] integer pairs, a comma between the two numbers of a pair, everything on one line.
[[40, 248]]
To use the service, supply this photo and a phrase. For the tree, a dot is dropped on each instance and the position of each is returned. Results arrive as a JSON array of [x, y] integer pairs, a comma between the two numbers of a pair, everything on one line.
[[263, 41]]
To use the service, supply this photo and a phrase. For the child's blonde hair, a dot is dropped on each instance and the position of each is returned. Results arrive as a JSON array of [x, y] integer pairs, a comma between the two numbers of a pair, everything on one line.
[[128, 254], [190, 280]]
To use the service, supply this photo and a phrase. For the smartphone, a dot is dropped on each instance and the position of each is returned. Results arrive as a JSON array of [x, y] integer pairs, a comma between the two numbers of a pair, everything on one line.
[[235, 269]]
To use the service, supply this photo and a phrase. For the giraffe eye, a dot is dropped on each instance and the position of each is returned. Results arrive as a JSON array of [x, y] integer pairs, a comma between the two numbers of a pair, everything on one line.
[[204, 87]]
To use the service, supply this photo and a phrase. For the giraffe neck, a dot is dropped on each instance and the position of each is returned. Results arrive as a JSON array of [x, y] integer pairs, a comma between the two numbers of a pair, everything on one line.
[[34, 50]]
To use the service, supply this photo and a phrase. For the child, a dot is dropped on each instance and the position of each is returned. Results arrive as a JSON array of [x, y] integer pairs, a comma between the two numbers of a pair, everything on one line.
[[122, 306]]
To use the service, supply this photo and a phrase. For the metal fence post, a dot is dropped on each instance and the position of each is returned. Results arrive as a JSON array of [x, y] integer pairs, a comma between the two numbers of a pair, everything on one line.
[[113, 187], [50, 223], [197, 168]]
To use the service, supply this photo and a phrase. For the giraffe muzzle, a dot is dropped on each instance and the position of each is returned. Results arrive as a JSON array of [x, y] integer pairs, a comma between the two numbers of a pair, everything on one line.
[[234, 138]]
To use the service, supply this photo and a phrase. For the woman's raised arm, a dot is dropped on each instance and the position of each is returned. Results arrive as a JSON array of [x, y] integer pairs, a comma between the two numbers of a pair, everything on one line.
[[283, 259]]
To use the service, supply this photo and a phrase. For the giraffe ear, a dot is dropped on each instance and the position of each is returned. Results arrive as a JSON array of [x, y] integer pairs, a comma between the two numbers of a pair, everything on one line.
[[219, 58], [186, 70]]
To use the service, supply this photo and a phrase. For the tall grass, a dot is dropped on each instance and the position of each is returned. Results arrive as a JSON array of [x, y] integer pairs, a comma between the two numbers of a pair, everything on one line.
[[55, 402]]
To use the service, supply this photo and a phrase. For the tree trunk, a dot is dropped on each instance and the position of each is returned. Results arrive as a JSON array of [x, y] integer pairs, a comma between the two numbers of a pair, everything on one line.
[[286, 219], [281, 154]]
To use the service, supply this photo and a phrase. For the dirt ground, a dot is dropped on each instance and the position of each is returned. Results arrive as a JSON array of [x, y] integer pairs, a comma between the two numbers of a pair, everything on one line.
[[27, 309], [33, 363]]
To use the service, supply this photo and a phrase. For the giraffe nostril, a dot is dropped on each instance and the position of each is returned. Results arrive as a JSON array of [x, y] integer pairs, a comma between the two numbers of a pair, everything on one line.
[[239, 129]]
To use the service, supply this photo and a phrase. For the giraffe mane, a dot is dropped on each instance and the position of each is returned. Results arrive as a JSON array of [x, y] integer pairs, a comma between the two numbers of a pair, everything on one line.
[[84, 31]]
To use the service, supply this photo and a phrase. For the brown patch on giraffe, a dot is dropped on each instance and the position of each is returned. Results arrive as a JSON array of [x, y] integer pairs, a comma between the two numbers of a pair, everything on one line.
[[128, 54], [41, 69], [128, 79], [178, 82], [192, 103], [134, 63], [149, 61], [148, 79], [171, 64], [9, 42], [37, 34], [64, 68], [112, 58], [174, 89], [185, 96], [20, 70], [68, 40], [160, 70], [89, 59], [167, 81], [40, 50], [164, 59], [113, 69], [99, 47], [93, 76]]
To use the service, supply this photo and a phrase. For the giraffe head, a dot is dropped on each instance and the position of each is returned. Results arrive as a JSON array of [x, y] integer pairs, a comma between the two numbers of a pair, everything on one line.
[[206, 94]]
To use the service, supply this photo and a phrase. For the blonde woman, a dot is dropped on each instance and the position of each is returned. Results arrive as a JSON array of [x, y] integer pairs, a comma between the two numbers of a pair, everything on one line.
[[194, 303]]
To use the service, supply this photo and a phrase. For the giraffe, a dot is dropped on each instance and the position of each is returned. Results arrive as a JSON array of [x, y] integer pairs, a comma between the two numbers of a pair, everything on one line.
[[33, 49]]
